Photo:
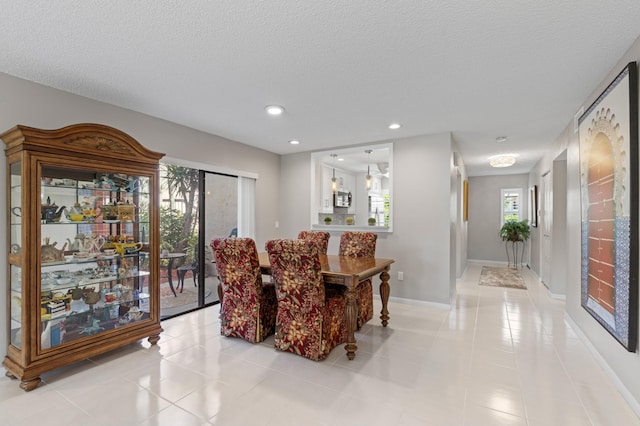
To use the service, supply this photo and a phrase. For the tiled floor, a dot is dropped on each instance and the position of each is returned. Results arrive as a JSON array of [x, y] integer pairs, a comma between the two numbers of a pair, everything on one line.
[[499, 357]]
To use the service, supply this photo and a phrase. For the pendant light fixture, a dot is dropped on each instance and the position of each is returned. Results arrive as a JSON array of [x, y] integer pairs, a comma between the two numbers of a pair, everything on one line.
[[368, 177], [334, 182]]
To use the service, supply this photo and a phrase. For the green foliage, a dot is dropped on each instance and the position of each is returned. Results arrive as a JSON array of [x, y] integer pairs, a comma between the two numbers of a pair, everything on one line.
[[178, 230], [171, 235], [515, 230], [327, 220]]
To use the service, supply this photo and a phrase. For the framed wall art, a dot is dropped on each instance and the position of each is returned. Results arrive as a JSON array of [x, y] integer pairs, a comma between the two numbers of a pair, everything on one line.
[[608, 132]]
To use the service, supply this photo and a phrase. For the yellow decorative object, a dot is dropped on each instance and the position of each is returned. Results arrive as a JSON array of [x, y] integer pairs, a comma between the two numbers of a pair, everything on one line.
[[126, 211], [127, 248]]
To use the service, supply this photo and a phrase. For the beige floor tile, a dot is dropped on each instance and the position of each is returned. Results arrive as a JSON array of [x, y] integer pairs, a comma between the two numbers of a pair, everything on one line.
[[497, 357]]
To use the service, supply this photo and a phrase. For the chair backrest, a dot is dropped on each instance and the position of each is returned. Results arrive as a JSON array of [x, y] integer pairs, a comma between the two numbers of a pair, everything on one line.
[[196, 256], [238, 266], [295, 267], [321, 238], [358, 244]]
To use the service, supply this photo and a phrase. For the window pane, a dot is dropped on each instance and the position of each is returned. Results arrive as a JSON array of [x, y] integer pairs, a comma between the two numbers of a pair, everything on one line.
[[511, 204]]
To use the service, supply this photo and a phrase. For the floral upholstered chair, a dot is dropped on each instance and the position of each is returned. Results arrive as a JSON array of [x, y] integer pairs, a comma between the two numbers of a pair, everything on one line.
[[248, 306], [360, 244], [319, 237], [309, 322]]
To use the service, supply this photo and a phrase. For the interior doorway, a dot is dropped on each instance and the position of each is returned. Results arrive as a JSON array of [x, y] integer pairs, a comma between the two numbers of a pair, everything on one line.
[[546, 223], [558, 273]]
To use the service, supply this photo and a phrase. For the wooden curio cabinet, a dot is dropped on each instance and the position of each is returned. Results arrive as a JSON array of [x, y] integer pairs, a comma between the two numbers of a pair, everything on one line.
[[82, 243]]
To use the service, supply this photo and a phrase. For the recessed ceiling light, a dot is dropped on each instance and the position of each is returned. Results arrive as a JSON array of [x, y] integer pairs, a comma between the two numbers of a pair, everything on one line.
[[274, 109], [394, 126], [340, 159], [501, 139], [294, 142]]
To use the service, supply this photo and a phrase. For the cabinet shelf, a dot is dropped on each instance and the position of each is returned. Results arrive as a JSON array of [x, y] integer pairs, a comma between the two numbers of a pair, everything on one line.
[[65, 307], [91, 222], [85, 188], [81, 280], [103, 257]]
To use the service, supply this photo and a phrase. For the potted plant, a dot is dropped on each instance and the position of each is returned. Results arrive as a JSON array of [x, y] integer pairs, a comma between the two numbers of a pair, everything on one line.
[[371, 221], [327, 220], [514, 231], [349, 220]]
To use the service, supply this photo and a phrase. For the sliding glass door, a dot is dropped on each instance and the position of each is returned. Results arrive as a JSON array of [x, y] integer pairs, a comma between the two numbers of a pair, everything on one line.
[[220, 215], [196, 206]]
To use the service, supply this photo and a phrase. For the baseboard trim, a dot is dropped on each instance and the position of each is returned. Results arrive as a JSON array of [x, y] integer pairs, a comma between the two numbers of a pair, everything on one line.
[[628, 396], [487, 262], [496, 263], [557, 296]]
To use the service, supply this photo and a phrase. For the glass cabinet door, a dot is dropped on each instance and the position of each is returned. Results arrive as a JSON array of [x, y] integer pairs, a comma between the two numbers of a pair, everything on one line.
[[15, 244], [94, 274]]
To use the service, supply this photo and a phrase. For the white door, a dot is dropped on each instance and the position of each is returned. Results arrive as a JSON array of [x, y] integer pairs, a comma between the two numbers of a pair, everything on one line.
[[546, 222]]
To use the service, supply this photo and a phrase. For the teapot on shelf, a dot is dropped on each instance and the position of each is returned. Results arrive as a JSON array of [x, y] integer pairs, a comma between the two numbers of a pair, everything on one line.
[[127, 248], [49, 253], [77, 244], [90, 296], [91, 215], [93, 243], [83, 212], [74, 213], [51, 212], [76, 293]]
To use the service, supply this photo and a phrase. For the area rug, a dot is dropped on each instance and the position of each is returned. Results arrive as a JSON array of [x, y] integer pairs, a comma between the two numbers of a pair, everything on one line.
[[501, 277]]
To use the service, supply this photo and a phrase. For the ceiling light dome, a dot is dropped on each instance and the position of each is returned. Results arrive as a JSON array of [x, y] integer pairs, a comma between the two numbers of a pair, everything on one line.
[[502, 160]]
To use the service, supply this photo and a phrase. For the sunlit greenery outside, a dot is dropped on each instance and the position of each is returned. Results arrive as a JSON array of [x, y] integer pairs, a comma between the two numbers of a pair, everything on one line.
[[179, 210]]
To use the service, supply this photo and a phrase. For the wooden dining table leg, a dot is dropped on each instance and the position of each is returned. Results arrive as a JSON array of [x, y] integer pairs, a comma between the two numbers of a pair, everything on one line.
[[220, 293], [384, 296], [351, 312]]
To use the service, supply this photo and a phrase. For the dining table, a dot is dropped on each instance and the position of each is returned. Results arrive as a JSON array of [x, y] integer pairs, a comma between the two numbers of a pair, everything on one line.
[[348, 272]]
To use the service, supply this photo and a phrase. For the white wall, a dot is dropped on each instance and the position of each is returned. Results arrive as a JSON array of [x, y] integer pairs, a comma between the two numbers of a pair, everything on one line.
[[616, 360], [484, 243], [625, 365], [459, 225], [30, 104], [419, 243]]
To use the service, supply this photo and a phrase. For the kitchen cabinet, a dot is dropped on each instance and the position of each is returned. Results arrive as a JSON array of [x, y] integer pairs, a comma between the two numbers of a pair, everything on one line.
[[326, 196], [345, 183], [83, 246]]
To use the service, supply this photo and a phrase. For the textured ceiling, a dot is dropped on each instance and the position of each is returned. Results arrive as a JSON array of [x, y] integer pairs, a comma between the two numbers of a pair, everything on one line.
[[343, 70]]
